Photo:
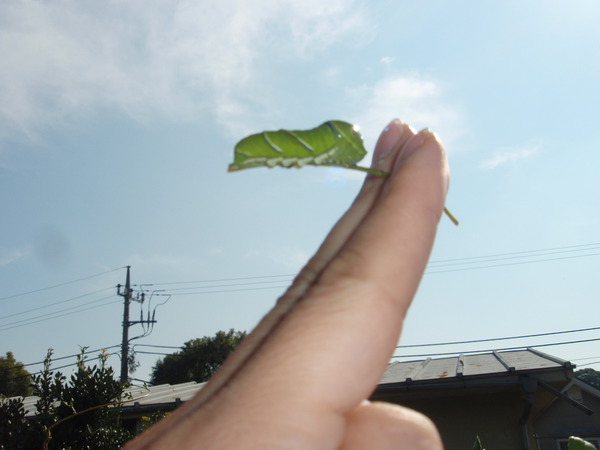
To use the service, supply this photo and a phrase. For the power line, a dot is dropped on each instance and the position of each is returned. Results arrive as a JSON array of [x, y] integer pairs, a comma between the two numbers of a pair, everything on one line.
[[158, 346], [476, 341], [569, 248], [59, 285], [52, 359], [231, 290], [13, 325], [589, 364], [153, 353], [56, 303], [452, 263], [216, 280], [435, 264], [56, 312], [225, 285], [211, 290], [497, 349], [73, 356], [584, 359], [427, 272], [53, 369]]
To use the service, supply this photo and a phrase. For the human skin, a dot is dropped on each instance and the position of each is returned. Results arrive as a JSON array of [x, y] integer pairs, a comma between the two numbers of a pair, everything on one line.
[[302, 378]]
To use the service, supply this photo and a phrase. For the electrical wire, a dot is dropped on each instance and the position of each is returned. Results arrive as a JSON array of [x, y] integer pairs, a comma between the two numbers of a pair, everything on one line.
[[476, 341], [59, 285], [153, 353], [56, 303], [450, 265], [429, 272], [226, 285], [60, 358], [425, 355], [53, 359], [524, 253], [20, 323], [454, 264], [216, 280], [159, 346], [589, 364], [231, 290]]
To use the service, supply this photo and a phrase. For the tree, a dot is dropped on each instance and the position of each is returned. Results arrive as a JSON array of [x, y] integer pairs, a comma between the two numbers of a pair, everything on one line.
[[197, 360], [589, 376], [14, 379], [82, 413]]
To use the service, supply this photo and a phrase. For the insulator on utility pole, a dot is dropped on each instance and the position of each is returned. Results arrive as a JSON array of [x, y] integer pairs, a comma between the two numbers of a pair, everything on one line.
[[127, 298]]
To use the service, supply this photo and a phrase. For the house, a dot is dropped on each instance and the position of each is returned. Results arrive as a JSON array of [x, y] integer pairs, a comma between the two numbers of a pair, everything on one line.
[[513, 400], [560, 420]]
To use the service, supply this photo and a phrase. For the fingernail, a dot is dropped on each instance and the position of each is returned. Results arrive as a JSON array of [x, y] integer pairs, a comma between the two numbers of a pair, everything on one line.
[[415, 143], [388, 139]]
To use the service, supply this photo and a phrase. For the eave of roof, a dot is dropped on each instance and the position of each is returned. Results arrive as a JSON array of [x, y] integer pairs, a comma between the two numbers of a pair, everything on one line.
[[503, 367]]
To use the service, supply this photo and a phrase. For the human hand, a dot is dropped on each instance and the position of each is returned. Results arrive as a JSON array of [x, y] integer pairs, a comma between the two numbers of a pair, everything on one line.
[[302, 378]]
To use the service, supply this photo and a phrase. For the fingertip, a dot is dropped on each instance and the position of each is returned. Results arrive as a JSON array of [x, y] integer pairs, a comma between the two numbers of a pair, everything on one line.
[[389, 140], [385, 425]]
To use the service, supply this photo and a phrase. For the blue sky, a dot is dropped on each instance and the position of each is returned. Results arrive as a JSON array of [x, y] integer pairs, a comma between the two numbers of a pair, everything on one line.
[[118, 121]]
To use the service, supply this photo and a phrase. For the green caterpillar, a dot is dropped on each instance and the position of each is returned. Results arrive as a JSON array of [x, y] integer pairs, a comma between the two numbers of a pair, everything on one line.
[[333, 143]]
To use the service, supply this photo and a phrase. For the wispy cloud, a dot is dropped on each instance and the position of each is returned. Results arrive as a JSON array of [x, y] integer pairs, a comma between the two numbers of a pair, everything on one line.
[[62, 58], [510, 156], [14, 256], [416, 100]]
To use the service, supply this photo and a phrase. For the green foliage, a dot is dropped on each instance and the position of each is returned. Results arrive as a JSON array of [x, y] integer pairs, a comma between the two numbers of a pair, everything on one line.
[[14, 379], [148, 421], [477, 445], [81, 413], [576, 443], [198, 359], [86, 423], [14, 429], [589, 376]]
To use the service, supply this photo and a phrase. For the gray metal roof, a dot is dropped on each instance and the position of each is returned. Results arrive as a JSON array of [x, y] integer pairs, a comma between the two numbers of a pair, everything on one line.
[[161, 394], [142, 397], [484, 364], [450, 368]]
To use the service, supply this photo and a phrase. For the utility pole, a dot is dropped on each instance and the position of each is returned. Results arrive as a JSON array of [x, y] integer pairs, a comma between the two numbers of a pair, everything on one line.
[[126, 294], [127, 298]]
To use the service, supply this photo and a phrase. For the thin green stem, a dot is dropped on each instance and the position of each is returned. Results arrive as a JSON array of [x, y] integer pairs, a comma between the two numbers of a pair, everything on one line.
[[370, 171], [381, 173]]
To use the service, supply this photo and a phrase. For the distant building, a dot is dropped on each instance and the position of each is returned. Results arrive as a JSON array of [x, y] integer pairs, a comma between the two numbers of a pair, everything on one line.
[[512, 400], [518, 400]]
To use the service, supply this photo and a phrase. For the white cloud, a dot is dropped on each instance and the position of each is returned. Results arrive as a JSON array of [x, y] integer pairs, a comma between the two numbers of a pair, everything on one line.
[[416, 100], [65, 57], [13, 256], [509, 156]]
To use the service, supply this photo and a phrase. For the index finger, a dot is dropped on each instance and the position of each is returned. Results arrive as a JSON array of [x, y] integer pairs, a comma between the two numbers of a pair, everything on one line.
[[329, 353], [352, 316]]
